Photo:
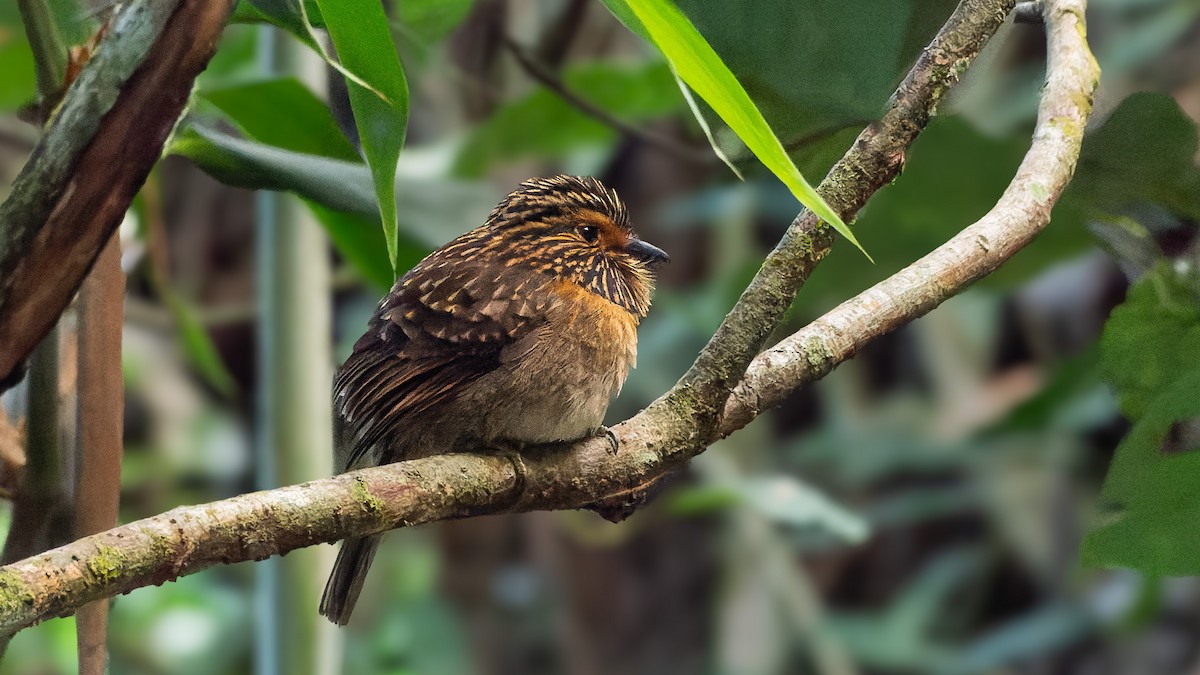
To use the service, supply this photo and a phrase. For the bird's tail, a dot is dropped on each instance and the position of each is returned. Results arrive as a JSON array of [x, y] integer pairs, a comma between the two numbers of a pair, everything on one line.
[[346, 579]]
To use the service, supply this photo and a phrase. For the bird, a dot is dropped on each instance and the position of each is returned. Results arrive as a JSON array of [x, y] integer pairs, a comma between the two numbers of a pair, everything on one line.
[[518, 333]]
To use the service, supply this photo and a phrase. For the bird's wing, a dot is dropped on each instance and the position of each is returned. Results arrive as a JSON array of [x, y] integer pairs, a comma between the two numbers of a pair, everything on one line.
[[444, 325]]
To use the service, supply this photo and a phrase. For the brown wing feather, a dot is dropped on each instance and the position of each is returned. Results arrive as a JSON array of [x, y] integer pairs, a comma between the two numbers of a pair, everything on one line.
[[445, 324]]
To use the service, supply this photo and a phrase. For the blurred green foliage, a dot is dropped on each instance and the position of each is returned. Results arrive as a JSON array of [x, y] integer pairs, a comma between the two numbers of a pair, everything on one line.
[[888, 447], [542, 124], [1150, 355], [19, 84]]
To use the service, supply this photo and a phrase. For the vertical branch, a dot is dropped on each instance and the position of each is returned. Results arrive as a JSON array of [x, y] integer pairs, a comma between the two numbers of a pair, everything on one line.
[[39, 501], [101, 411], [295, 372]]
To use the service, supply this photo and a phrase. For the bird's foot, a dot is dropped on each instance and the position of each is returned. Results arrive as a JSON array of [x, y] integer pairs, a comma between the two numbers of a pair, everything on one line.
[[614, 445], [511, 450]]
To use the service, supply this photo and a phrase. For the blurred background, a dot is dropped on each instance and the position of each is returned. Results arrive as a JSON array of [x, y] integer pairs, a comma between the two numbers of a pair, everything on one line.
[[920, 510]]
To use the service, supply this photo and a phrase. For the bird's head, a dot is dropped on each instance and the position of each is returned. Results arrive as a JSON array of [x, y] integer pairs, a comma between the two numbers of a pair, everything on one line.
[[575, 228]]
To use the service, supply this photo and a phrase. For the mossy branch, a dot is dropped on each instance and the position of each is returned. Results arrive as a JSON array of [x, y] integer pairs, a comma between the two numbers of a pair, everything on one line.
[[258, 525]]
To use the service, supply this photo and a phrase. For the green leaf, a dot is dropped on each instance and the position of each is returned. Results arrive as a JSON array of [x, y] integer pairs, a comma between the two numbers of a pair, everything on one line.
[[360, 240], [1144, 152], [197, 344], [803, 63], [1150, 354], [18, 86], [953, 174], [285, 14], [338, 192], [792, 502], [1148, 509], [360, 34], [781, 499], [284, 113], [338, 184], [1152, 339], [700, 67]]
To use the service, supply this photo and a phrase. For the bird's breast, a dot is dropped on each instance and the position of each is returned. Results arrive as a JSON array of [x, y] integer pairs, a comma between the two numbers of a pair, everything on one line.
[[560, 388]]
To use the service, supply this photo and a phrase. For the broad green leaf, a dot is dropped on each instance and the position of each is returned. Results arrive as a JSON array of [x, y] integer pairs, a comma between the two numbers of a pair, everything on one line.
[[1150, 355], [1152, 339], [285, 14], [1148, 509], [338, 192], [363, 40], [792, 502], [197, 344], [700, 67], [338, 184], [284, 113], [1144, 152], [360, 239], [803, 63], [18, 86], [781, 499], [953, 174]]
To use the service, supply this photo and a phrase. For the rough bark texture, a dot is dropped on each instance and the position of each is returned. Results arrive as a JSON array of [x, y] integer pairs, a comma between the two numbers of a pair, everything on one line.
[[73, 192], [258, 525]]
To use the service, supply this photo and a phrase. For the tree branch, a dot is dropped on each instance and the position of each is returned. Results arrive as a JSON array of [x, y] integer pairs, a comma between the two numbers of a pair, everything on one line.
[[875, 159], [258, 525], [72, 193], [1022, 212]]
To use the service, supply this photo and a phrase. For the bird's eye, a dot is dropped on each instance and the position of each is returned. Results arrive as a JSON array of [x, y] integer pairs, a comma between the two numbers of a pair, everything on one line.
[[589, 233]]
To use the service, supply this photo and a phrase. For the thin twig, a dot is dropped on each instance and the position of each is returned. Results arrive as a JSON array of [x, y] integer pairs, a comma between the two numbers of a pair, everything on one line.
[[551, 81]]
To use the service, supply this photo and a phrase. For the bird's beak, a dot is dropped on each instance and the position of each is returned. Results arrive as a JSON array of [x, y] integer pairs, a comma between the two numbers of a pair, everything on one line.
[[647, 253]]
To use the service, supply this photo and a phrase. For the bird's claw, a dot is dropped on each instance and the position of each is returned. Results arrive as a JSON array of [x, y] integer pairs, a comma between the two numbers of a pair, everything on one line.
[[614, 445]]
